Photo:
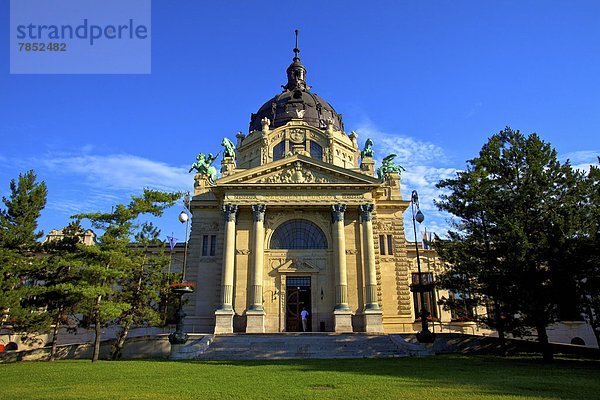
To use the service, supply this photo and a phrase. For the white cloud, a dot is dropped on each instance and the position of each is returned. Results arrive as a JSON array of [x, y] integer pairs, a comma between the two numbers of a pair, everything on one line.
[[582, 159], [410, 151], [582, 156], [121, 172], [425, 163]]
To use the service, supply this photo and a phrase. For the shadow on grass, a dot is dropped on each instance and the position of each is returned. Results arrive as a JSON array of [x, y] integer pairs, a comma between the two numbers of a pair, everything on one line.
[[516, 376]]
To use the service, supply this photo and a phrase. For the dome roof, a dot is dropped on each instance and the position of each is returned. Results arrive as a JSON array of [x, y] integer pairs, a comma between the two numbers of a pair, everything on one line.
[[296, 102]]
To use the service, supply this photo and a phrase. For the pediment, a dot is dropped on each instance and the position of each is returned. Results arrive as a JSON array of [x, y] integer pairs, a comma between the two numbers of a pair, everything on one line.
[[298, 170], [296, 265]]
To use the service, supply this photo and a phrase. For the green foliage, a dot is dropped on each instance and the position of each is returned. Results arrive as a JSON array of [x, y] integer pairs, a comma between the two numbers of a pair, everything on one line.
[[18, 235], [588, 251], [18, 222], [518, 222], [123, 280]]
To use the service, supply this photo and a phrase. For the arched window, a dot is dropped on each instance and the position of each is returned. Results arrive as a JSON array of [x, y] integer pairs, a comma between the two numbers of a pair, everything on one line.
[[279, 151], [316, 151], [298, 234]]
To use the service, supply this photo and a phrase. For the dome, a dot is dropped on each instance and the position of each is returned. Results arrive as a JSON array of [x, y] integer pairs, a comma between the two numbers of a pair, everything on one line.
[[296, 102]]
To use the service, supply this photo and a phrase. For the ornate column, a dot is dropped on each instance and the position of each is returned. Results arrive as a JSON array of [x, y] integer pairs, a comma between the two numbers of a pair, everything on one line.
[[224, 315], [372, 312], [255, 315], [342, 313]]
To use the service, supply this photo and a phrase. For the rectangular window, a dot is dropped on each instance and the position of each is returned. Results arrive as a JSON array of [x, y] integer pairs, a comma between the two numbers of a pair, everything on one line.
[[213, 244], [297, 281], [205, 245], [382, 245], [390, 245], [428, 294], [461, 307]]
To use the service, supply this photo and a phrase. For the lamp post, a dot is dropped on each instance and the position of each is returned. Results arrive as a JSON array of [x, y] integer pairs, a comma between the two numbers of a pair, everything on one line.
[[179, 336], [425, 336]]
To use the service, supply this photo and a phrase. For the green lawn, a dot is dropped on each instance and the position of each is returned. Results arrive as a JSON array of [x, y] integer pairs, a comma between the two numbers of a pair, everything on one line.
[[441, 377]]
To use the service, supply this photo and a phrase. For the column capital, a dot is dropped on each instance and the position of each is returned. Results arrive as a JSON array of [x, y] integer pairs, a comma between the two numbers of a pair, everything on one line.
[[258, 211], [366, 211], [230, 210], [337, 212]]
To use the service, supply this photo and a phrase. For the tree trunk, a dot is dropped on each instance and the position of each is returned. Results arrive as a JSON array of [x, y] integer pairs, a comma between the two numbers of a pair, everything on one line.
[[543, 339], [54, 339], [500, 328], [97, 330], [502, 338], [120, 343]]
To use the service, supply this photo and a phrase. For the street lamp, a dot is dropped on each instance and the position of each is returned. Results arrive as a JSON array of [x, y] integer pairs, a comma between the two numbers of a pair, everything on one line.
[[179, 336], [425, 336], [184, 218]]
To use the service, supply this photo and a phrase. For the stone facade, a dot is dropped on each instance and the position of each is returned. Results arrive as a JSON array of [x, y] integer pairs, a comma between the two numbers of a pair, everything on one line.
[[242, 286]]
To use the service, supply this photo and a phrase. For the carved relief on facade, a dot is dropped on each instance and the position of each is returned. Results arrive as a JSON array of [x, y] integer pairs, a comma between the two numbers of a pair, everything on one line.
[[384, 225], [207, 226], [244, 252], [297, 174], [294, 265], [297, 135], [276, 137]]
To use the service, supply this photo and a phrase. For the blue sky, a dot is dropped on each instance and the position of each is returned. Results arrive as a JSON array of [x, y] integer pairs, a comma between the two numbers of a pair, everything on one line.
[[430, 81]]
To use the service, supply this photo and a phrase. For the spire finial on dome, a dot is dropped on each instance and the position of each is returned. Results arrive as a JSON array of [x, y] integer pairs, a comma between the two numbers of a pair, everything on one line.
[[296, 49], [296, 72]]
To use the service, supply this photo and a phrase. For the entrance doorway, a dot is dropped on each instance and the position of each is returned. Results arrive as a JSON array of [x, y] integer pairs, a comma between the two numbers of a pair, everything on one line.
[[297, 298]]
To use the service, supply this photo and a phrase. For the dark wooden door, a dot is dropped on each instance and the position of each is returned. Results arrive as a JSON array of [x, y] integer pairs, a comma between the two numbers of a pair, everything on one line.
[[297, 298]]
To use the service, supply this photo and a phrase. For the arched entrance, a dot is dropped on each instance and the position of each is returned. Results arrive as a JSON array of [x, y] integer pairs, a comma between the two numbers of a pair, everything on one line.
[[301, 242]]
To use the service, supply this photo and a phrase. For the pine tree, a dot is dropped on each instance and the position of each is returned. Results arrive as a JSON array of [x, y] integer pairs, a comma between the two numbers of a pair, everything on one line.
[[18, 243], [588, 251], [62, 288], [515, 204], [141, 285], [113, 260]]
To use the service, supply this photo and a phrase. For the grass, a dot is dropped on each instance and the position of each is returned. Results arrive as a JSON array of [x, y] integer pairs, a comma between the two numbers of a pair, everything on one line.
[[440, 377]]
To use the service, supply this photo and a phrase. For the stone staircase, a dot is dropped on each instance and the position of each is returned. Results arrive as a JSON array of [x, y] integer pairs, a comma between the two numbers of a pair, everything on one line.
[[302, 345]]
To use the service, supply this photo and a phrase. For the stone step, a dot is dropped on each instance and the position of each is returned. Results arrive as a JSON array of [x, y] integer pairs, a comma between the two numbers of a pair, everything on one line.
[[290, 346]]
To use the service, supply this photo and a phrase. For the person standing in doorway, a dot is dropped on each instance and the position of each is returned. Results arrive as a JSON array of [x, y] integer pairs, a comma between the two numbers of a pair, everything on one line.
[[304, 316]]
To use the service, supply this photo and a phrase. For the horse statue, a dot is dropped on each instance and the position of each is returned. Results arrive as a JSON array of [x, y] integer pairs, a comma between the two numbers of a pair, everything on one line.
[[368, 150], [229, 148], [388, 166], [203, 166]]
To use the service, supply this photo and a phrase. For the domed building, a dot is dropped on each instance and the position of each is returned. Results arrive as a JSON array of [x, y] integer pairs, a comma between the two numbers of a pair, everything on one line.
[[298, 221]]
